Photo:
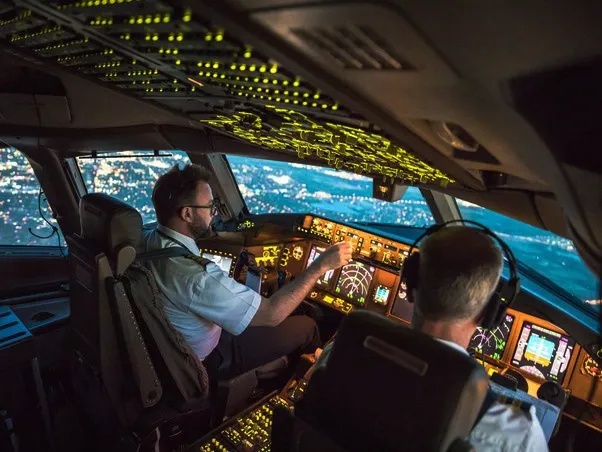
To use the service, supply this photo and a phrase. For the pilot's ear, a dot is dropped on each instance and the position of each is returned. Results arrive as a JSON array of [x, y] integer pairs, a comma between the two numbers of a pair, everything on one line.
[[185, 214]]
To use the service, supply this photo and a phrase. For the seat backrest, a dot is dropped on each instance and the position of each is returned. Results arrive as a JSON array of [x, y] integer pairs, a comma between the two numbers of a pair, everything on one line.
[[106, 333], [168, 347], [387, 387]]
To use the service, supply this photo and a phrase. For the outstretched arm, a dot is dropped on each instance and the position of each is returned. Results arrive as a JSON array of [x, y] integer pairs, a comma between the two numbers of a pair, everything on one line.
[[279, 306]]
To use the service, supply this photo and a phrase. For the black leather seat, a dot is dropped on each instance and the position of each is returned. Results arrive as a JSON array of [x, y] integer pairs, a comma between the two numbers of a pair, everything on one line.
[[411, 392]]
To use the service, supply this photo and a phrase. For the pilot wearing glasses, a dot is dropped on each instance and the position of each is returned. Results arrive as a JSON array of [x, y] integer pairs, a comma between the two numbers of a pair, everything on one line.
[[230, 327]]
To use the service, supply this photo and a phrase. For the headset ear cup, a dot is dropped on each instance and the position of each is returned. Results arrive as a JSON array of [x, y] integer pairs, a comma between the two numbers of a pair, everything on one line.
[[494, 312], [409, 273]]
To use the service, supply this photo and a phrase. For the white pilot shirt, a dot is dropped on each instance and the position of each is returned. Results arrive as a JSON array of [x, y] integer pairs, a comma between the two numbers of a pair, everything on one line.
[[199, 301], [503, 428]]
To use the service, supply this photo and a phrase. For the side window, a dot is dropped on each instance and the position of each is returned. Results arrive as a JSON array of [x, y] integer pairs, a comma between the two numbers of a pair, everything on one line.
[[26, 216], [552, 256], [129, 176]]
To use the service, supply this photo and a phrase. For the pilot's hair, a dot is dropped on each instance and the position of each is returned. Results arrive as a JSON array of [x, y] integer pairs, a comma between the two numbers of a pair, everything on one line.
[[177, 188], [459, 270]]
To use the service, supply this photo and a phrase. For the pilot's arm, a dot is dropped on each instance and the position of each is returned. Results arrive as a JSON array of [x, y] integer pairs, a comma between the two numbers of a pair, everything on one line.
[[234, 306], [279, 306]]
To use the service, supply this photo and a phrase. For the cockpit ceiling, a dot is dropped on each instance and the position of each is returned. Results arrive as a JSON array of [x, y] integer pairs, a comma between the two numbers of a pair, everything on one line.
[[168, 54]]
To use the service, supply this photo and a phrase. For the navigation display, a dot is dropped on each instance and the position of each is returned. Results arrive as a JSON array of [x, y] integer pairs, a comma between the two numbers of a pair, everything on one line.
[[222, 262], [354, 281], [492, 343], [324, 280], [542, 352]]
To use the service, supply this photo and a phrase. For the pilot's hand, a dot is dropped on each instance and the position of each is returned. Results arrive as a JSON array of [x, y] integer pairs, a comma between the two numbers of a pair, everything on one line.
[[336, 256]]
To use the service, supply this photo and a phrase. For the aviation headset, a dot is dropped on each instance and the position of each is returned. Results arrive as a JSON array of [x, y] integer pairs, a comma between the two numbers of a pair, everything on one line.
[[502, 297]]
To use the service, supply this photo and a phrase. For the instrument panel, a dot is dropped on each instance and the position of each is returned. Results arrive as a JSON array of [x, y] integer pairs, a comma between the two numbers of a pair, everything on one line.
[[533, 347]]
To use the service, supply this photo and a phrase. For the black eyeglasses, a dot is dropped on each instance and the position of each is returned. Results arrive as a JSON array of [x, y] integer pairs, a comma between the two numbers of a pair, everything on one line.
[[214, 206]]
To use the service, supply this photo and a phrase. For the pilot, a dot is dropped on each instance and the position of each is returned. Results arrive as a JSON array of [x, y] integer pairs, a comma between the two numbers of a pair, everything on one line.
[[459, 269], [230, 327]]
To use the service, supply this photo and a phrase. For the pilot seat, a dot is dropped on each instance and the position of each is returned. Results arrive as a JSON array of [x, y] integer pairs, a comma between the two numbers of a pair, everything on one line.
[[156, 385], [411, 392]]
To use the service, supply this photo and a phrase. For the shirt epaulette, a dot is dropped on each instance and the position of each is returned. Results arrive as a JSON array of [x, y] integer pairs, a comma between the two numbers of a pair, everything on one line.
[[199, 260], [520, 404]]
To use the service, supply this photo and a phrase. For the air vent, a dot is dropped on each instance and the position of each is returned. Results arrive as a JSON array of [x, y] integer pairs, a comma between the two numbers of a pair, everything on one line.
[[353, 47]]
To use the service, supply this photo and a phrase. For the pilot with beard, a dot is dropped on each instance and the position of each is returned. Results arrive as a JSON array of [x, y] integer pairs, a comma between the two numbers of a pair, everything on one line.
[[230, 327]]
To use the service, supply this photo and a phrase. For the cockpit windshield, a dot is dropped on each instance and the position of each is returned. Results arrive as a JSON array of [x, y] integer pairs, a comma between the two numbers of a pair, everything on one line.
[[280, 187]]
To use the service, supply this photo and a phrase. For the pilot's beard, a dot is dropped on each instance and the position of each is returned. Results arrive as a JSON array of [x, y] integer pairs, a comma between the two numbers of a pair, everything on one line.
[[200, 231]]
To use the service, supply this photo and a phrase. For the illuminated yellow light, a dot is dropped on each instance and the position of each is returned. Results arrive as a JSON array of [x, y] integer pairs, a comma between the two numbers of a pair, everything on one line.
[[314, 104], [170, 38], [304, 104], [208, 37], [157, 20], [168, 51], [296, 82], [285, 93], [176, 51], [274, 69], [233, 66], [166, 18], [259, 90], [155, 38], [215, 65], [219, 37], [285, 82], [324, 105], [148, 20], [296, 101], [207, 65], [215, 74], [335, 107], [178, 62], [277, 99], [247, 54], [243, 67], [316, 96], [222, 76], [187, 16], [180, 38], [256, 80], [252, 68], [263, 68], [296, 93], [274, 82]]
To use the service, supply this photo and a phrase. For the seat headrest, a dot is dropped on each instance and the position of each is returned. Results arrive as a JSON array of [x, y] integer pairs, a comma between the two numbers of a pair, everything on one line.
[[384, 382], [109, 223]]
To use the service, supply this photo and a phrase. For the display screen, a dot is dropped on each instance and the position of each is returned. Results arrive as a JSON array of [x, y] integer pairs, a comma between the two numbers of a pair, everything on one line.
[[381, 295], [222, 262], [402, 308], [354, 281], [315, 252], [542, 352], [492, 343]]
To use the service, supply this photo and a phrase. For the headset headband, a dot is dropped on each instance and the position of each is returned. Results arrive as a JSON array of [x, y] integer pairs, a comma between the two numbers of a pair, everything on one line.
[[507, 291]]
